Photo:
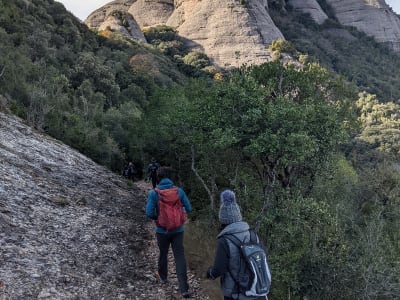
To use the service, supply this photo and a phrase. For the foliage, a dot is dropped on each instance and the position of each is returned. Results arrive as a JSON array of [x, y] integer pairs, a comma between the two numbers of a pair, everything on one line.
[[282, 46], [167, 40], [196, 59], [265, 131], [67, 81], [380, 123], [325, 203], [161, 33], [369, 65]]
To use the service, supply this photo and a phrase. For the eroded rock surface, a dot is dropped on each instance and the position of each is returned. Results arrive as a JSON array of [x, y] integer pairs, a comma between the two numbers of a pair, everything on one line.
[[69, 228], [237, 32], [310, 7], [373, 17], [123, 23], [230, 32]]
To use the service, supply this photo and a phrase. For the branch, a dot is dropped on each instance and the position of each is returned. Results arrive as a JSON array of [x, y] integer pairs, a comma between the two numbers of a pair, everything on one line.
[[2, 71], [210, 194], [267, 191]]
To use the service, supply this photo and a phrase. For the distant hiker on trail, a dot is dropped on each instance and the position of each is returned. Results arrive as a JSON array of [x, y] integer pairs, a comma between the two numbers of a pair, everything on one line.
[[152, 171], [130, 171], [230, 263], [168, 204]]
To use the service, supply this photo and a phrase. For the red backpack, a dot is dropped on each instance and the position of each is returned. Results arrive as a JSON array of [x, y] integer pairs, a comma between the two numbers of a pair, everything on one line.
[[171, 214]]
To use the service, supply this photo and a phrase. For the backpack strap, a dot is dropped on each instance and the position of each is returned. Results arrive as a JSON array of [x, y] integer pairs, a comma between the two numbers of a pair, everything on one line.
[[253, 237], [238, 243], [235, 240]]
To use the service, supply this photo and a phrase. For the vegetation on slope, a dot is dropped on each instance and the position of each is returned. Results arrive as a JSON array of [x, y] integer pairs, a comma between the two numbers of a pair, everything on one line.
[[80, 87], [323, 194], [369, 65]]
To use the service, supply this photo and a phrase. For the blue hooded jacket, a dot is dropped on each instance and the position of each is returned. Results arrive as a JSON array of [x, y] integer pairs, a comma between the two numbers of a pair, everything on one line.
[[152, 202]]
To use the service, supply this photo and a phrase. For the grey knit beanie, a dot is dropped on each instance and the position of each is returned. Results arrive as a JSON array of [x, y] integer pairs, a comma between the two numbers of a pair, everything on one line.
[[229, 211]]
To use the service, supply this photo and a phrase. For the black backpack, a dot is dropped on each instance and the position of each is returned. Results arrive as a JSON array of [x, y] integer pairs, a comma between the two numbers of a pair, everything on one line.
[[254, 278], [153, 170]]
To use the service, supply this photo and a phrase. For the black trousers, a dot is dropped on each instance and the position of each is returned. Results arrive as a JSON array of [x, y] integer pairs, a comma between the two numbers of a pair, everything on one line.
[[176, 241], [154, 181]]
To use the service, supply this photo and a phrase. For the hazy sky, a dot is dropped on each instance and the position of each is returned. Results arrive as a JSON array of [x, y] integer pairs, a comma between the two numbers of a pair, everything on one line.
[[82, 8], [395, 4]]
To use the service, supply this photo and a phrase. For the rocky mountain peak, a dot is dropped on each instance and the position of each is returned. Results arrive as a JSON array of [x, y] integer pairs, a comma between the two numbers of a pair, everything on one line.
[[237, 32], [230, 32]]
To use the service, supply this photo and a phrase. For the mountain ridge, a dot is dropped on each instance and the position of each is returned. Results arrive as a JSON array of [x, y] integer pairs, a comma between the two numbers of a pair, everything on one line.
[[233, 32]]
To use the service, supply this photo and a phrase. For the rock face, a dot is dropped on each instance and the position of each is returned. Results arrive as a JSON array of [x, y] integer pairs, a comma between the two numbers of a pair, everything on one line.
[[373, 17], [97, 17], [310, 7], [237, 32], [229, 32], [151, 12], [69, 228], [123, 23]]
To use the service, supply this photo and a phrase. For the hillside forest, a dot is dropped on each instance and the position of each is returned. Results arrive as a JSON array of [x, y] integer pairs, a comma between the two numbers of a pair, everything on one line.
[[311, 147]]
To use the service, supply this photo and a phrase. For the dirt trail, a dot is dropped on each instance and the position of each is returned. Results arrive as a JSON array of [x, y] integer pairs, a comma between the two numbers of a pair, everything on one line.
[[171, 290], [71, 229]]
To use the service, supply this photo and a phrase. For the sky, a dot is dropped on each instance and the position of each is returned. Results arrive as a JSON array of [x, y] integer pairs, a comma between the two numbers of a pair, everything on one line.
[[82, 8], [395, 4]]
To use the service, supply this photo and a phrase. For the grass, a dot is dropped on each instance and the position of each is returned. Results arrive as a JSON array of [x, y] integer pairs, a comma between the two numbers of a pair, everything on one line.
[[200, 246]]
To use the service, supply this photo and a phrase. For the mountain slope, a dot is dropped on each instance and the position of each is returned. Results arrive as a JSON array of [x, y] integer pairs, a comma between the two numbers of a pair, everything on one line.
[[373, 17], [233, 32], [69, 228]]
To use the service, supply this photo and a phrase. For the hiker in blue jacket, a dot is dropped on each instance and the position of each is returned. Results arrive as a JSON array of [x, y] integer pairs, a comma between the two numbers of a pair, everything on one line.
[[227, 257], [166, 238]]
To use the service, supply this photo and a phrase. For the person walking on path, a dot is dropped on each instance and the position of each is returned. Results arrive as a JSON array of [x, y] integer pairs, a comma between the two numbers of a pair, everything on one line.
[[227, 258], [165, 237], [152, 171], [131, 171]]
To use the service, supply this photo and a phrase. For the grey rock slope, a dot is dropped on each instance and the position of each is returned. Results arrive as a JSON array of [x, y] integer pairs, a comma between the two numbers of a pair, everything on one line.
[[69, 228]]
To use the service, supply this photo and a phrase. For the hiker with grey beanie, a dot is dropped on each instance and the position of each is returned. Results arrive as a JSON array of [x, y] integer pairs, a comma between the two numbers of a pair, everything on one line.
[[227, 258]]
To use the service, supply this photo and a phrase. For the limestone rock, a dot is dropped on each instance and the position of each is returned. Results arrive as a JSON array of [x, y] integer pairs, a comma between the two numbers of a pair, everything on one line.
[[151, 12], [310, 7], [237, 32], [230, 33], [97, 17], [373, 17], [123, 23]]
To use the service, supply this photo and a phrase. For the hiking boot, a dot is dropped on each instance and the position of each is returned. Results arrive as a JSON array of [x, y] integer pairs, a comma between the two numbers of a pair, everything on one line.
[[186, 295], [162, 280]]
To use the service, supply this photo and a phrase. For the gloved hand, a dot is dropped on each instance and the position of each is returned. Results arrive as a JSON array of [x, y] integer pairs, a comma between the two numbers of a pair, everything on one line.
[[209, 273]]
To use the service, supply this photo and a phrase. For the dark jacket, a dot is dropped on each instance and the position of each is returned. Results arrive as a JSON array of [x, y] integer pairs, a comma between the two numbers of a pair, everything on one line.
[[227, 260], [152, 202]]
